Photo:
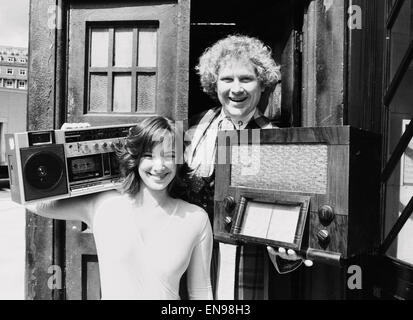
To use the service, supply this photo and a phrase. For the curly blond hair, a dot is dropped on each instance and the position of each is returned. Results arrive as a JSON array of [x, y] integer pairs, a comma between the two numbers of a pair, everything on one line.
[[237, 47]]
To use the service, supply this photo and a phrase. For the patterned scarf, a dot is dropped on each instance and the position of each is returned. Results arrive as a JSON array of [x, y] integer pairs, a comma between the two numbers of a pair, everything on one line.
[[200, 155]]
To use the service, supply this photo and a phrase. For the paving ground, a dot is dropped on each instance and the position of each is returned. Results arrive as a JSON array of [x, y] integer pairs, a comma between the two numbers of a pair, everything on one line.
[[12, 246]]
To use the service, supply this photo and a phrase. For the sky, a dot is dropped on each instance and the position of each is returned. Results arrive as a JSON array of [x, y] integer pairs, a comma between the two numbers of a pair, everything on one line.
[[14, 23]]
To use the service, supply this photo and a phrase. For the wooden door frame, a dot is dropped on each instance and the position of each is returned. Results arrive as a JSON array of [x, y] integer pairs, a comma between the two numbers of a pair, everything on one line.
[[47, 109]]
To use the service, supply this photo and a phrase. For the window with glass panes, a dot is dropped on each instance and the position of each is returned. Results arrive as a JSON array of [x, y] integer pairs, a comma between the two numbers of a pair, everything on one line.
[[397, 99], [122, 69]]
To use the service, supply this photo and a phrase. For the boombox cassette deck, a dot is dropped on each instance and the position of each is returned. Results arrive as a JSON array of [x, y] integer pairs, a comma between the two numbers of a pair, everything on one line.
[[57, 164]]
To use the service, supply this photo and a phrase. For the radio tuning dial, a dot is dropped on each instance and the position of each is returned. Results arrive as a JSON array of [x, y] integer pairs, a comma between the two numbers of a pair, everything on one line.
[[326, 214]]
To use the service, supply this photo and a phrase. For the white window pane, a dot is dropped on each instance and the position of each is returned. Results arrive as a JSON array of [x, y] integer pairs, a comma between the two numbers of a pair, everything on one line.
[[122, 96], [98, 93], [123, 47], [147, 48], [99, 48]]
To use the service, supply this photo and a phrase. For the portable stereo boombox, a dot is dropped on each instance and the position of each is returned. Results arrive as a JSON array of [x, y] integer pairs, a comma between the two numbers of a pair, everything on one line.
[[314, 190], [56, 164]]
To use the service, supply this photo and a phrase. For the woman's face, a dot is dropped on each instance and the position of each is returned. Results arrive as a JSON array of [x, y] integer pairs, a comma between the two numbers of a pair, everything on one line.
[[158, 169], [238, 88]]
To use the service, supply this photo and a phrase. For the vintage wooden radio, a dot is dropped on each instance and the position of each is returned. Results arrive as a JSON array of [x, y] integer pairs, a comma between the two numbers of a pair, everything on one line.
[[314, 190]]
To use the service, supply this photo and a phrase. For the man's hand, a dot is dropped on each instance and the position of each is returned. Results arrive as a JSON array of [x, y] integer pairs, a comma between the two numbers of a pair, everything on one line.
[[74, 125], [286, 261]]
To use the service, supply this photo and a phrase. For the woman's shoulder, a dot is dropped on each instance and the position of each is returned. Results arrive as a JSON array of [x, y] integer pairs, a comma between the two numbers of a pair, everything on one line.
[[196, 220], [110, 197], [192, 212]]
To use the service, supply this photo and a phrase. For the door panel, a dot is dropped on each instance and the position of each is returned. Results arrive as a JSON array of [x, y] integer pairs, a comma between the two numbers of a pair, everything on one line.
[[122, 66], [119, 55], [82, 269]]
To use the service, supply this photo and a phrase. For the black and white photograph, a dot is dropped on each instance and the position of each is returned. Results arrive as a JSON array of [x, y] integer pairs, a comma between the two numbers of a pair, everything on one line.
[[228, 152]]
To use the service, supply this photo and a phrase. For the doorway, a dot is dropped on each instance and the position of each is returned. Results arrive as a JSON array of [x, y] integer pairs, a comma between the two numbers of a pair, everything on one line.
[[277, 23]]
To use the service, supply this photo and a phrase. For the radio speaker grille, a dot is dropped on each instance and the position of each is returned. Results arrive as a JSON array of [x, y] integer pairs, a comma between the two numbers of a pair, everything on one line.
[[290, 168]]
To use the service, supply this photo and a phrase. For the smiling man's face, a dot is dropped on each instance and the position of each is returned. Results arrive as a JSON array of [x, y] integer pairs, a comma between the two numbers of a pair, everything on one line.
[[238, 88]]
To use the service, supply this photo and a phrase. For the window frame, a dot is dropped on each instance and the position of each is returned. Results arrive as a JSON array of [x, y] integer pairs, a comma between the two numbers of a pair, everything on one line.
[[392, 85], [11, 71], [111, 69], [21, 82], [6, 84]]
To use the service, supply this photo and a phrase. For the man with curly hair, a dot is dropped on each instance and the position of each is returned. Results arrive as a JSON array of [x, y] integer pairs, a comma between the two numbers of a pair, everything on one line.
[[236, 71]]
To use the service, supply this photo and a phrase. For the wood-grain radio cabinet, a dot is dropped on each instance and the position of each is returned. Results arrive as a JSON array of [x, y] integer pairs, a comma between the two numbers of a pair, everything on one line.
[[330, 175]]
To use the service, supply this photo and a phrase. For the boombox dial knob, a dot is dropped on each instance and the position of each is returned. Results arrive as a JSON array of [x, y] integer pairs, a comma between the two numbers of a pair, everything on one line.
[[326, 214], [323, 236], [229, 203]]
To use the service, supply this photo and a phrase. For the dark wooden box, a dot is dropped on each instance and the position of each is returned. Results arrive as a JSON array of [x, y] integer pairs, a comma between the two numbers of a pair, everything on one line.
[[336, 168]]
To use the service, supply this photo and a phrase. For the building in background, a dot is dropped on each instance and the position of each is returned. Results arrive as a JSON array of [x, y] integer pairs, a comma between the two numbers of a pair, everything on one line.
[[13, 94], [13, 67]]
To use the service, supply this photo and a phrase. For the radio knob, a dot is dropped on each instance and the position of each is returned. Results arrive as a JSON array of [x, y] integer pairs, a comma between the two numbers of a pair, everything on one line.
[[96, 146], [104, 145], [323, 236], [229, 203], [228, 220], [326, 214]]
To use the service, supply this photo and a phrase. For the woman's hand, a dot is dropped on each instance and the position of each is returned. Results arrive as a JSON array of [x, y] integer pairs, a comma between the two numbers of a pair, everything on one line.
[[286, 261]]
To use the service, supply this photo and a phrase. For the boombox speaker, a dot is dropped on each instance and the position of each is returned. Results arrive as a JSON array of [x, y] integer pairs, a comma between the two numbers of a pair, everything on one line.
[[44, 171]]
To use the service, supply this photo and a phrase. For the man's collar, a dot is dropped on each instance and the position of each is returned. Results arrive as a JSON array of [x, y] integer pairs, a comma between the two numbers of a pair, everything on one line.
[[241, 124]]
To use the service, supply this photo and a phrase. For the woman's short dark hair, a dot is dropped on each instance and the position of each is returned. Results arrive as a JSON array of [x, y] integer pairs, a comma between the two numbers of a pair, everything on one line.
[[141, 139]]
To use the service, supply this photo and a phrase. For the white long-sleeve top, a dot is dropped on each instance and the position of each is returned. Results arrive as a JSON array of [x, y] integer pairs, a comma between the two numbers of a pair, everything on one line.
[[143, 255]]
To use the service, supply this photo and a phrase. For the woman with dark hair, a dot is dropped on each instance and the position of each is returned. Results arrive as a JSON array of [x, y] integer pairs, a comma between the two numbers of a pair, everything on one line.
[[146, 237]]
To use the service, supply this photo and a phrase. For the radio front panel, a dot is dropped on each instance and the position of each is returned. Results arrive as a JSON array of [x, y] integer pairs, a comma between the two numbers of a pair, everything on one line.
[[337, 168], [57, 164]]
